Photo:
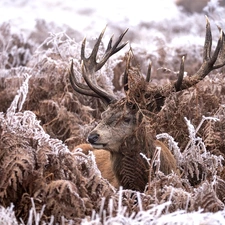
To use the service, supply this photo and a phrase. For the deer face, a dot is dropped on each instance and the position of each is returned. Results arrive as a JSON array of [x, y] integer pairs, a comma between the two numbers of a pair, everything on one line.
[[118, 121]]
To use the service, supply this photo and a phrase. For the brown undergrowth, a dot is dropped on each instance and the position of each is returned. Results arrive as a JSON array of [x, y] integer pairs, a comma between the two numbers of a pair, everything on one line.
[[45, 118]]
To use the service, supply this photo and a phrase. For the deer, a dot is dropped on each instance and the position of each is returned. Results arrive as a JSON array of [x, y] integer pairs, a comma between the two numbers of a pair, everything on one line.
[[123, 135]]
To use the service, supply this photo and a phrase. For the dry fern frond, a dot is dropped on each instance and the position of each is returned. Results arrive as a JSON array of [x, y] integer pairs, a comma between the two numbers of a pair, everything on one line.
[[62, 199], [17, 165], [173, 146], [205, 197], [15, 49], [219, 188], [170, 188], [214, 132], [34, 165], [197, 163], [211, 137], [178, 198], [194, 103]]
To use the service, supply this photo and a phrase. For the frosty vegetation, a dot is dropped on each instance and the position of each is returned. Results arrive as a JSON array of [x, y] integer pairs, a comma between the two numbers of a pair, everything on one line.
[[42, 119]]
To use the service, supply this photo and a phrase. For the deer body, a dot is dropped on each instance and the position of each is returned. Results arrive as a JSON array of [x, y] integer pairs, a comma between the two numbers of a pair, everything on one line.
[[125, 137], [125, 129], [131, 171]]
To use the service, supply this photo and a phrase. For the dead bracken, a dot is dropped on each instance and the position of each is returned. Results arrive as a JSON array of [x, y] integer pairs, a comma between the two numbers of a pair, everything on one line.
[[44, 124]]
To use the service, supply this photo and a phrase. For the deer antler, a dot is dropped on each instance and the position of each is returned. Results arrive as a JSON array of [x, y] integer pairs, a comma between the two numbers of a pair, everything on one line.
[[179, 81], [210, 63], [90, 65], [156, 95], [79, 87]]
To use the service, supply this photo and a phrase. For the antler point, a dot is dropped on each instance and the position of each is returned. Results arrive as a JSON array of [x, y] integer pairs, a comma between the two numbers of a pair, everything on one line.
[[84, 40], [221, 34], [103, 31], [207, 19], [126, 30]]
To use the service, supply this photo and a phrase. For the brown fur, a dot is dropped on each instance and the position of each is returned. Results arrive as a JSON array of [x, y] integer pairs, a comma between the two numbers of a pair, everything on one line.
[[131, 168], [103, 161], [110, 164], [166, 156]]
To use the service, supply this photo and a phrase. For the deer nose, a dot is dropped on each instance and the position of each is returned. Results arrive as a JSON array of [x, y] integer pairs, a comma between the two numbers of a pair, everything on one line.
[[92, 138]]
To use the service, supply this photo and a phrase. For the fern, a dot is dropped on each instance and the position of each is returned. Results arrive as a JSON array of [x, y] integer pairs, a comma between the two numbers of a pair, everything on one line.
[[15, 49], [33, 165], [18, 159], [47, 183], [19, 99], [213, 132], [206, 197], [173, 146], [62, 198], [196, 162]]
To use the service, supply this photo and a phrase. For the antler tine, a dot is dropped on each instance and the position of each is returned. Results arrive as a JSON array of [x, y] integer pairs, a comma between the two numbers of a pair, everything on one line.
[[148, 76], [109, 44], [111, 50], [80, 88], [208, 41], [89, 65], [82, 54], [208, 45], [115, 48], [221, 61], [106, 97], [96, 46], [210, 63], [180, 75], [95, 49]]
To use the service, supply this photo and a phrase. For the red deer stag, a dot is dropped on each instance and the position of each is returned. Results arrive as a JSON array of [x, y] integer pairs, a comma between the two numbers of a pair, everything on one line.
[[124, 130]]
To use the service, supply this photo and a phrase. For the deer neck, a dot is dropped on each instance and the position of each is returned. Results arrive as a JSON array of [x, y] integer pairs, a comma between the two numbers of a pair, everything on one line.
[[130, 168]]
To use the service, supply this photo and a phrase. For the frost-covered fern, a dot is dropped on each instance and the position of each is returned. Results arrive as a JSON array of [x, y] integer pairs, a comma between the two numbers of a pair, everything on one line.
[[36, 166], [48, 184], [196, 160]]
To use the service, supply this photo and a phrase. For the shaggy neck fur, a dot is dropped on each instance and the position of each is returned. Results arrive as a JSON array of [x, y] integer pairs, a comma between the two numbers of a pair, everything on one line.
[[130, 168]]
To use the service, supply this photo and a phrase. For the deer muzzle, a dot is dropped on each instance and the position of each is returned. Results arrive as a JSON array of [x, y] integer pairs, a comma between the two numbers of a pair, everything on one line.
[[93, 138]]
